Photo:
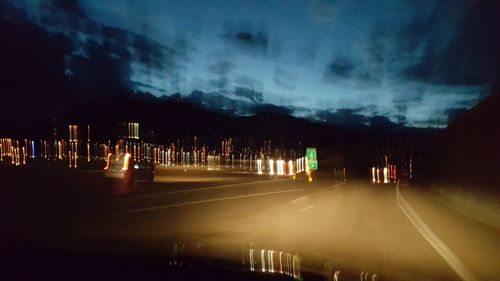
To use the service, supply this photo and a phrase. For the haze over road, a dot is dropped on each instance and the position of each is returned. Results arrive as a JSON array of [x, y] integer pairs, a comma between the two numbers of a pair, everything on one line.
[[353, 226]]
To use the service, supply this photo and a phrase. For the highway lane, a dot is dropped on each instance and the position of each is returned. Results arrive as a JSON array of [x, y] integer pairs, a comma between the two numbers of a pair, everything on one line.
[[358, 226], [355, 226]]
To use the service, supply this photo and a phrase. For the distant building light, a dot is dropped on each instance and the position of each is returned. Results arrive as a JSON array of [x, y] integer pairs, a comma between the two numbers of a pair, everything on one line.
[[374, 180], [259, 166], [386, 179], [128, 130], [280, 167]]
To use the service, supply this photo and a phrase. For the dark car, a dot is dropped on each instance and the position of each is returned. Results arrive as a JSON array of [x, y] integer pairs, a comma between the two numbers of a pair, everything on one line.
[[124, 167]]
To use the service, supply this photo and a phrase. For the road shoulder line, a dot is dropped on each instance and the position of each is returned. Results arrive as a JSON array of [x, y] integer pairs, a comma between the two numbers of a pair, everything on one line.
[[444, 251]]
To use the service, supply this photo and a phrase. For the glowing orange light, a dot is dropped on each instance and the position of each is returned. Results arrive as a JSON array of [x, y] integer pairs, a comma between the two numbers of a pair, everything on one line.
[[107, 161], [126, 161], [374, 180]]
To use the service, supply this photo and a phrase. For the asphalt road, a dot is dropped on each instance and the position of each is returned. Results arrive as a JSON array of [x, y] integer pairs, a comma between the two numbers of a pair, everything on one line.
[[395, 231]]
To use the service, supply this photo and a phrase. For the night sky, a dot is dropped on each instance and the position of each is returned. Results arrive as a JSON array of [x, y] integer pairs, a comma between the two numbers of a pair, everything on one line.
[[413, 63]]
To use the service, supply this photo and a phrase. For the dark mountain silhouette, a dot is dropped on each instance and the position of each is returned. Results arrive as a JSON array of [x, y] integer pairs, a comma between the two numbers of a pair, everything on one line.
[[169, 119], [172, 119], [470, 146]]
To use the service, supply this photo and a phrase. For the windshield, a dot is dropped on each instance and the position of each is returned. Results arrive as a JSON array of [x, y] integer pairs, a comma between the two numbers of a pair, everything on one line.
[[330, 139]]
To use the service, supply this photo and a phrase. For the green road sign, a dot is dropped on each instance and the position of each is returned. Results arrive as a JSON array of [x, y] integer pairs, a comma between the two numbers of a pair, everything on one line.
[[312, 161]]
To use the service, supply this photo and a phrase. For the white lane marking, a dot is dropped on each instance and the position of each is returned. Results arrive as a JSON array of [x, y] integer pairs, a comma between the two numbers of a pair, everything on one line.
[[438, 245], [205, 188], [299, 199], [200, 202], [307, 208]]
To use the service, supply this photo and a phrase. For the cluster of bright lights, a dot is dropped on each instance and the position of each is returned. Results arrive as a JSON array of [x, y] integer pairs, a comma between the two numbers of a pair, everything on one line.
[[5, 148], [275, 262], [386, 174], [277, 167], [18, 151], [77, 147], [301, 165]]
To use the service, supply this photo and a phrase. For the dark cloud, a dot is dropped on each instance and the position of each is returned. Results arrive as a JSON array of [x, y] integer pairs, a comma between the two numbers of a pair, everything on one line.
[[32, 60], [449, 43], [109, 33], [111, 51], [249, 94], [111, 47], [443, 118], [100, 72], [252, 43], [271, 108], [343, 117], [97, 64], [257, 39], [150, 53], [221, 68], [364, 72], [220, 83], [219, 102], [469, 57], [382, 122], [248, 82], [71, 7], [148, 86], [353, 118], [400, 119], [340, 67], [420, 30]]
